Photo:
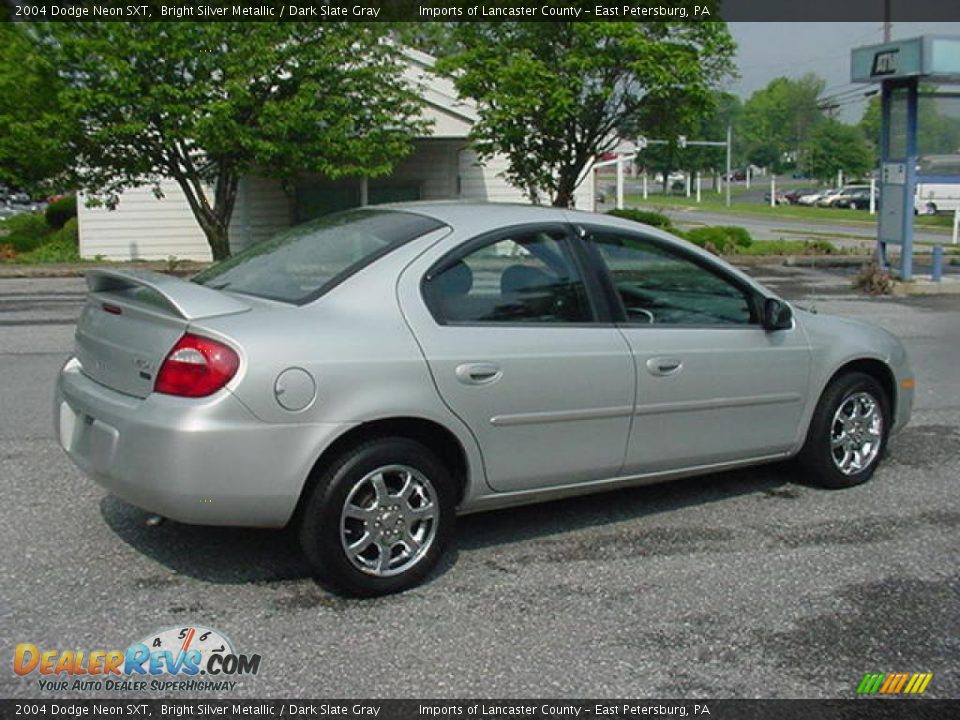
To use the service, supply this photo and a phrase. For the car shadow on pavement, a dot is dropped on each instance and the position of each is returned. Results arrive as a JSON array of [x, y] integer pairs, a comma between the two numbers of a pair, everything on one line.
[[632, 503], [225, 555]]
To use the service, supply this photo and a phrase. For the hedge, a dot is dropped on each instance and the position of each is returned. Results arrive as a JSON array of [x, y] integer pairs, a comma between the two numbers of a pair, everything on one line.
[[722, 239], [60, 211], [647, 217]]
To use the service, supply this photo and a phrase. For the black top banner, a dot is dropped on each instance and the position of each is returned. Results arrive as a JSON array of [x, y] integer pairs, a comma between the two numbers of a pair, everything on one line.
[[491, 10]]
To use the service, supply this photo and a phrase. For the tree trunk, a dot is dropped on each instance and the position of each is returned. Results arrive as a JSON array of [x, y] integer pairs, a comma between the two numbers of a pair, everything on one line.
[[563, 199], [566, 187], [213, 220], [219, 240]]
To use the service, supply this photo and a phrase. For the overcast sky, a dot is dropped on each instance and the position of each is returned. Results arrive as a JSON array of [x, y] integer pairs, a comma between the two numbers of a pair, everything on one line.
[[769, 50]]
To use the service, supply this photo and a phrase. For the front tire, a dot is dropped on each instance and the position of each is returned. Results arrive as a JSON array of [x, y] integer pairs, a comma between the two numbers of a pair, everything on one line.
[[848, 432], [378, 518]]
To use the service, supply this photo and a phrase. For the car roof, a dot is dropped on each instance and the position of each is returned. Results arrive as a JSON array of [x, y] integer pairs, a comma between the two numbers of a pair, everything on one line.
[[480, 216]]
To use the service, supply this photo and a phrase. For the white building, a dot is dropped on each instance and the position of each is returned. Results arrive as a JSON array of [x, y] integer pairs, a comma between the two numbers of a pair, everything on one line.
[[441, 166]]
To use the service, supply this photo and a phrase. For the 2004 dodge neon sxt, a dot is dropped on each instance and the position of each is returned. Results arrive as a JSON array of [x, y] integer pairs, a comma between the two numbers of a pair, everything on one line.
[[371, 374]]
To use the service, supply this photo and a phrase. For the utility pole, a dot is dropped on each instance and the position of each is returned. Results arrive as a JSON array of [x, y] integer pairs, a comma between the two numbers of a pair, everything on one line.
[[726, 182], [887, 25]]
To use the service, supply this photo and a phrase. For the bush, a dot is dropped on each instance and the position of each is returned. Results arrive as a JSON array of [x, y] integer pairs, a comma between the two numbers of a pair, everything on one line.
[[722, 239], [25, 232], [63, 246], [873, 279], [647, 217], [60, 211], [790, 247]]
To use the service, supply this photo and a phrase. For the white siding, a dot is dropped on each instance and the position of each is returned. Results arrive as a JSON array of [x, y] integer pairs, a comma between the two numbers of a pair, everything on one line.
[[585, 197], [142, 227], [485, 182], [262, 209], [434, 165], [443, 125]]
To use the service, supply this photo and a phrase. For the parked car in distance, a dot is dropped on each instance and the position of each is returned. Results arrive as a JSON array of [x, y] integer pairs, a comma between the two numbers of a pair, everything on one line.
[[839, 197], [781, 198], [793, 196], [369, 375], [815, 196], [857, 199]]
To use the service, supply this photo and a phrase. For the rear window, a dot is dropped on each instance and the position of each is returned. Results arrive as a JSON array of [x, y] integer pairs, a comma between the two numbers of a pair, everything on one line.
[[304, 262]]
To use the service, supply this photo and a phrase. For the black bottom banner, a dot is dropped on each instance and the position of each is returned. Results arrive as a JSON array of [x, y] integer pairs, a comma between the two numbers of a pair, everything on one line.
[[485, 709]]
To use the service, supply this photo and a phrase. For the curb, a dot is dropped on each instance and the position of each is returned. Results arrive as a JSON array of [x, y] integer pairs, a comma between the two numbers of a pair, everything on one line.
[[798, 260], [947, 286], [67, 270]]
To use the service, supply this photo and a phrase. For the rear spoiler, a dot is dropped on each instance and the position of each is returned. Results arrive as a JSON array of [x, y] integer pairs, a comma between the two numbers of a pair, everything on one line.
[[188, 300]]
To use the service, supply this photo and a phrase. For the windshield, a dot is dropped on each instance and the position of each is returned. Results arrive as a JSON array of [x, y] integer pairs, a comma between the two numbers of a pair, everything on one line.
[[300, 264]]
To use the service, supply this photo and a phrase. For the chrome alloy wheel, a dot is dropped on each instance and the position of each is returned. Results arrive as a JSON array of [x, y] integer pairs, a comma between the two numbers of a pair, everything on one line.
[[389, 520], [856, 433]]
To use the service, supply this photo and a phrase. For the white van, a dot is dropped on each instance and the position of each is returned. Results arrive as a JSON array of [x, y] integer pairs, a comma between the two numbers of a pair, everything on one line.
[[937, 197]]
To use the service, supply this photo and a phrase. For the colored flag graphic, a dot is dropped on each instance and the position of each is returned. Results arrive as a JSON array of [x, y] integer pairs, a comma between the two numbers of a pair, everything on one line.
[[894, 683]]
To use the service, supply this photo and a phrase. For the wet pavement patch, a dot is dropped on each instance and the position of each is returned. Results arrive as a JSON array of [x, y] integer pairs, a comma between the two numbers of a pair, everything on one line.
[[895, 624]]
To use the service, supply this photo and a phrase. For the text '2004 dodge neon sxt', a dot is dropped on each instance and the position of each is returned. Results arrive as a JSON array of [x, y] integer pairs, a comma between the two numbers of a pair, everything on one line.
[[370, 375]]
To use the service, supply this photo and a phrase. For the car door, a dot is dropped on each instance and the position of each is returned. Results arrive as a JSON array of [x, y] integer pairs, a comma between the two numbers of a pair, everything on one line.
[[520, 352], [712, 385]]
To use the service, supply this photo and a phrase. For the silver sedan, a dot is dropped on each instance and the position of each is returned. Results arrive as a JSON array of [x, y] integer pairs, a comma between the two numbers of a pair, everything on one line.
[[372, 374]]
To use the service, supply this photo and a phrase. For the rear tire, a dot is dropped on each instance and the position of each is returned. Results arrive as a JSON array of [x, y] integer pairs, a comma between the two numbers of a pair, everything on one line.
[[378, 518], [848, 433]]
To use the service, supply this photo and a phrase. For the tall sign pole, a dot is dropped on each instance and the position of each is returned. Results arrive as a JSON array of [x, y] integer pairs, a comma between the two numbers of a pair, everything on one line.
[[726, 182]]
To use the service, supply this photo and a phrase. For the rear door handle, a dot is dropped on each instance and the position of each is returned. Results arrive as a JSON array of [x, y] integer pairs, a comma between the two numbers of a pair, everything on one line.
[[478, 373], [663, 366]]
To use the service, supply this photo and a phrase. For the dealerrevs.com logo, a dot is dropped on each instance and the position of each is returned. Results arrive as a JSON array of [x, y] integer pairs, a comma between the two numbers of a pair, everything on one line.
[[169, 660]]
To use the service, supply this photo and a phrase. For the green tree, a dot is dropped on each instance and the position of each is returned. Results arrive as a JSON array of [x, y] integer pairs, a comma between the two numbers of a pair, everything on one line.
[[870, 121], [833, 146], [205, 103], [778, 120], [34, 136], [552, 96], [938, 130]]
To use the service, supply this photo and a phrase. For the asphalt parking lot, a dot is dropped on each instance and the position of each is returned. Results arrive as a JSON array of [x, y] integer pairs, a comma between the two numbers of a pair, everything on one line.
[[743, 584]]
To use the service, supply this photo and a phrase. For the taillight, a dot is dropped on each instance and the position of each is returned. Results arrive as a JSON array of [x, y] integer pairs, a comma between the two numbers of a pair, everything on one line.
[[196, 367]]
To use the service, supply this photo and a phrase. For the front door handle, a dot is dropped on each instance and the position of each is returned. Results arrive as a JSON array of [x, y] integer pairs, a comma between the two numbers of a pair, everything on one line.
[[478, 373], [664, 366]]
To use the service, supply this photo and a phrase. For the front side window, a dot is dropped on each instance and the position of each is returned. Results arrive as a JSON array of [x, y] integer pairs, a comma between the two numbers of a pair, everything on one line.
[[660, 287], [526, 277], [305, 261]]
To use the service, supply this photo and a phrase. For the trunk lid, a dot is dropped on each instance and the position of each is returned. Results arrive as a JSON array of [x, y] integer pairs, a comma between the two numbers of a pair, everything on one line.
[[131, 320]]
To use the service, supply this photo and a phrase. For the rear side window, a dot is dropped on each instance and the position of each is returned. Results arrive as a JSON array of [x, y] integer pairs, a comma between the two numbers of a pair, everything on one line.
[[304, 262], [526, 277]]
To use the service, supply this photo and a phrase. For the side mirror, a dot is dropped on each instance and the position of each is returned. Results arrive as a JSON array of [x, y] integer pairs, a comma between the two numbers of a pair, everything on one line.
[[777, 315]]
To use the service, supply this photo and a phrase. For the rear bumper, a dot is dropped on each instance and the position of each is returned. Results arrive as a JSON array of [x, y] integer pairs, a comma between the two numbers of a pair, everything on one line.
[[206, 462]]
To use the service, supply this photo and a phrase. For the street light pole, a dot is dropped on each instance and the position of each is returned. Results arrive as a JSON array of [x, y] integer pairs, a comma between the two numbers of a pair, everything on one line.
[[726, 182]]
